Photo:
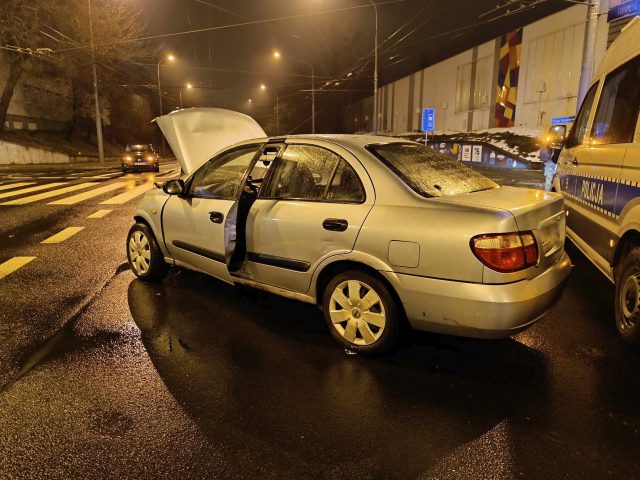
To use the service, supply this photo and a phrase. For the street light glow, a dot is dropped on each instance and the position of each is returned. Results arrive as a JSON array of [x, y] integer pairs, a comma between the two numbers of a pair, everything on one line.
[[263, 86], [189, 86], [250, 100], [276, 54], [171, 57]]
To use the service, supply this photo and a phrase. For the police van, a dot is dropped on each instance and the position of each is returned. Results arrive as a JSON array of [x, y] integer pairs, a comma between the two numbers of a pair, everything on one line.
[[599, 175]]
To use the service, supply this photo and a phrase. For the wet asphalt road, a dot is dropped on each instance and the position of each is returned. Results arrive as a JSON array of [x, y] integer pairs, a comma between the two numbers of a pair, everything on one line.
[[106, 376]]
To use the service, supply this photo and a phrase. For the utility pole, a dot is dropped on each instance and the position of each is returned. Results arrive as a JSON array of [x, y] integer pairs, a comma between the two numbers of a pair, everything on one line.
[[375, 74], [95, 93], [588, 53]]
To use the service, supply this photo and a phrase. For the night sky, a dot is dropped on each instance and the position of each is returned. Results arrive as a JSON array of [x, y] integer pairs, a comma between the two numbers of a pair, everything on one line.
[[227, 66]]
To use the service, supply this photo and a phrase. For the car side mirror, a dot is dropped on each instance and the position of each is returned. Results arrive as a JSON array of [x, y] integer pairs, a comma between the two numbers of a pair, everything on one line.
[[556, 137], [173, 187]]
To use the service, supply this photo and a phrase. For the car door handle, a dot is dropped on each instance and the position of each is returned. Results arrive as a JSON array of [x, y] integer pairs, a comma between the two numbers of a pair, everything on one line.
[[335, 224], [574, 161], [216, 217]]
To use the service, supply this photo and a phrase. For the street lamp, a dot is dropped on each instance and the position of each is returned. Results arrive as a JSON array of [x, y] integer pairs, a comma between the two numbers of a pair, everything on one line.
[[263, 87], [375, 74], [189, 87], [277, 55], [95, 92], [169, 58]]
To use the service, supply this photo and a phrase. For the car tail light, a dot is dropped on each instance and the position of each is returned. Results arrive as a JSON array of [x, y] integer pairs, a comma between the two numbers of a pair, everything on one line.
[[506, 252]]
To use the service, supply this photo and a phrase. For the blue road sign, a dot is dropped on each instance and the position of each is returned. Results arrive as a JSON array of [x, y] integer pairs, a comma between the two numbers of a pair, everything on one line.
[[562, 120], [624, 9], [428, 120]]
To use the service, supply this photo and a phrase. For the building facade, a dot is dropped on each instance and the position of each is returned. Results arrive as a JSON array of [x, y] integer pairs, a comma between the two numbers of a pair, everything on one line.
[[523, 78]]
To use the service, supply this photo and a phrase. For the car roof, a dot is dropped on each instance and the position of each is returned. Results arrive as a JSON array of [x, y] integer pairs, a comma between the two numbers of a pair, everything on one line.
[[356, 141]]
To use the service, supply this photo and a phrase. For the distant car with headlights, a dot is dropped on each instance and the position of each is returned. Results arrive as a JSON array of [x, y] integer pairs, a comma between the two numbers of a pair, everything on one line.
[[137, 158], [376, 230]]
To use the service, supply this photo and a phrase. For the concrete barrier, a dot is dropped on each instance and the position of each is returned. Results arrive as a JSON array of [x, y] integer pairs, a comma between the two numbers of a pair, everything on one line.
[[15, 154]]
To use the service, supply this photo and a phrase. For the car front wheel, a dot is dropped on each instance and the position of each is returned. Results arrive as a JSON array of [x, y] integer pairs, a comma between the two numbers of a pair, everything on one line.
[[144, 254], [627, 307], [361, 312]]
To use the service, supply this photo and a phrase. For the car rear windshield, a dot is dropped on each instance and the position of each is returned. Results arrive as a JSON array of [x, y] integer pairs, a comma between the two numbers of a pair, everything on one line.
[[139, 148], [429, 173]]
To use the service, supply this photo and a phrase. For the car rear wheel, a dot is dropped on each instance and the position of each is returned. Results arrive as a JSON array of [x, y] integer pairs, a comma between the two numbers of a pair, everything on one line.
[[144, 254], [627, 298], [361, 312]]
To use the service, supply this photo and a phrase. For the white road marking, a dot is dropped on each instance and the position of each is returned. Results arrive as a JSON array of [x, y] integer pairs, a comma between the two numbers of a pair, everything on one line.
[[13, 264], [31, 189], [15, 185], [63, 235], [129, 195], [90, 194], [53, 193], [100, 213]]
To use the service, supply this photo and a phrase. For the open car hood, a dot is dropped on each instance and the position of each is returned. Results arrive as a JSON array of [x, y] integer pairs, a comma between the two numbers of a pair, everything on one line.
[[197, 134]]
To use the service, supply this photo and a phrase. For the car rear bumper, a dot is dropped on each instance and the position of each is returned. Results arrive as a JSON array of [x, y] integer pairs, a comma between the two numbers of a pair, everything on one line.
[[480, 310]]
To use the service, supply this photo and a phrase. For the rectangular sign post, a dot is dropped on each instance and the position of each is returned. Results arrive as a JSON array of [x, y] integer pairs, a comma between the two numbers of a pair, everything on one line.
[[428, 122], [563, 120]]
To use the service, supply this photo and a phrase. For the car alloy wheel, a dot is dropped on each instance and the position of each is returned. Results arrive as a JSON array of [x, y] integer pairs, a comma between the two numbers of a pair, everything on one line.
[[139, 253], [357, 312]]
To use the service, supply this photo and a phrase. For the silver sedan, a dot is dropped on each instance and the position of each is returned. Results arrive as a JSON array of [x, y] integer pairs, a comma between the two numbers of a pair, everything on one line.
[[378, 231]]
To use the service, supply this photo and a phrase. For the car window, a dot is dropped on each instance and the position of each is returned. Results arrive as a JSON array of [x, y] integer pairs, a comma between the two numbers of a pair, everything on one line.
[[579, 129], [345, 185], [303, 173], [429, 173], [221, 177], [617, 112]]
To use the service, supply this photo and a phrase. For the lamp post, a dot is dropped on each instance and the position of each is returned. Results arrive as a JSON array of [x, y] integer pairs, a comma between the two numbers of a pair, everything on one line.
[[169, 58], [263, 87], [95, 93], [189, 87], [277, 55], [375, 74]]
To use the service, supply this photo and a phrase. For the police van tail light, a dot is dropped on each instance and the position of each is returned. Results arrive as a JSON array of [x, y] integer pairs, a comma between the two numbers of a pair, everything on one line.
[[506, 252]]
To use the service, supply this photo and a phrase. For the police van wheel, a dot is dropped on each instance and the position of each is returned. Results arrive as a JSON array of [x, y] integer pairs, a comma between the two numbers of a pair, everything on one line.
[[627, 308]]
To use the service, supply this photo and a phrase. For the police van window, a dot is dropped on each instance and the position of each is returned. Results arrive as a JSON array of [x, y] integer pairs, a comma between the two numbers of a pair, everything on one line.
[[576, 136], [617, 113]]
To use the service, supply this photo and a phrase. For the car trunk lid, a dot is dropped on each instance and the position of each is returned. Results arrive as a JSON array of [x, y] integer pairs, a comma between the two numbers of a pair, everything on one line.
[[536, 210]]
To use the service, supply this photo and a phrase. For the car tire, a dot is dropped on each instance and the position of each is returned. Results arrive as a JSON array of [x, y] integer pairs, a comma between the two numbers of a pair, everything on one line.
[[627, 296], [144, 255], [362, 321]]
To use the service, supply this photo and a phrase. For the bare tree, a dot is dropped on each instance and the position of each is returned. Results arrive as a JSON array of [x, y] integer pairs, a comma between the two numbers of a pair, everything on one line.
[[21, 22], [117, 28], [63, 26]]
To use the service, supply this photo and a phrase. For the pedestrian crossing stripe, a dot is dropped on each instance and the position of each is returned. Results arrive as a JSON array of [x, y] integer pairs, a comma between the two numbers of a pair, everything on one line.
[[100, 213], [90, 194], [31, 189], [15, 185], [63, 235], [129, 195], [53, 193], [13, 264]]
